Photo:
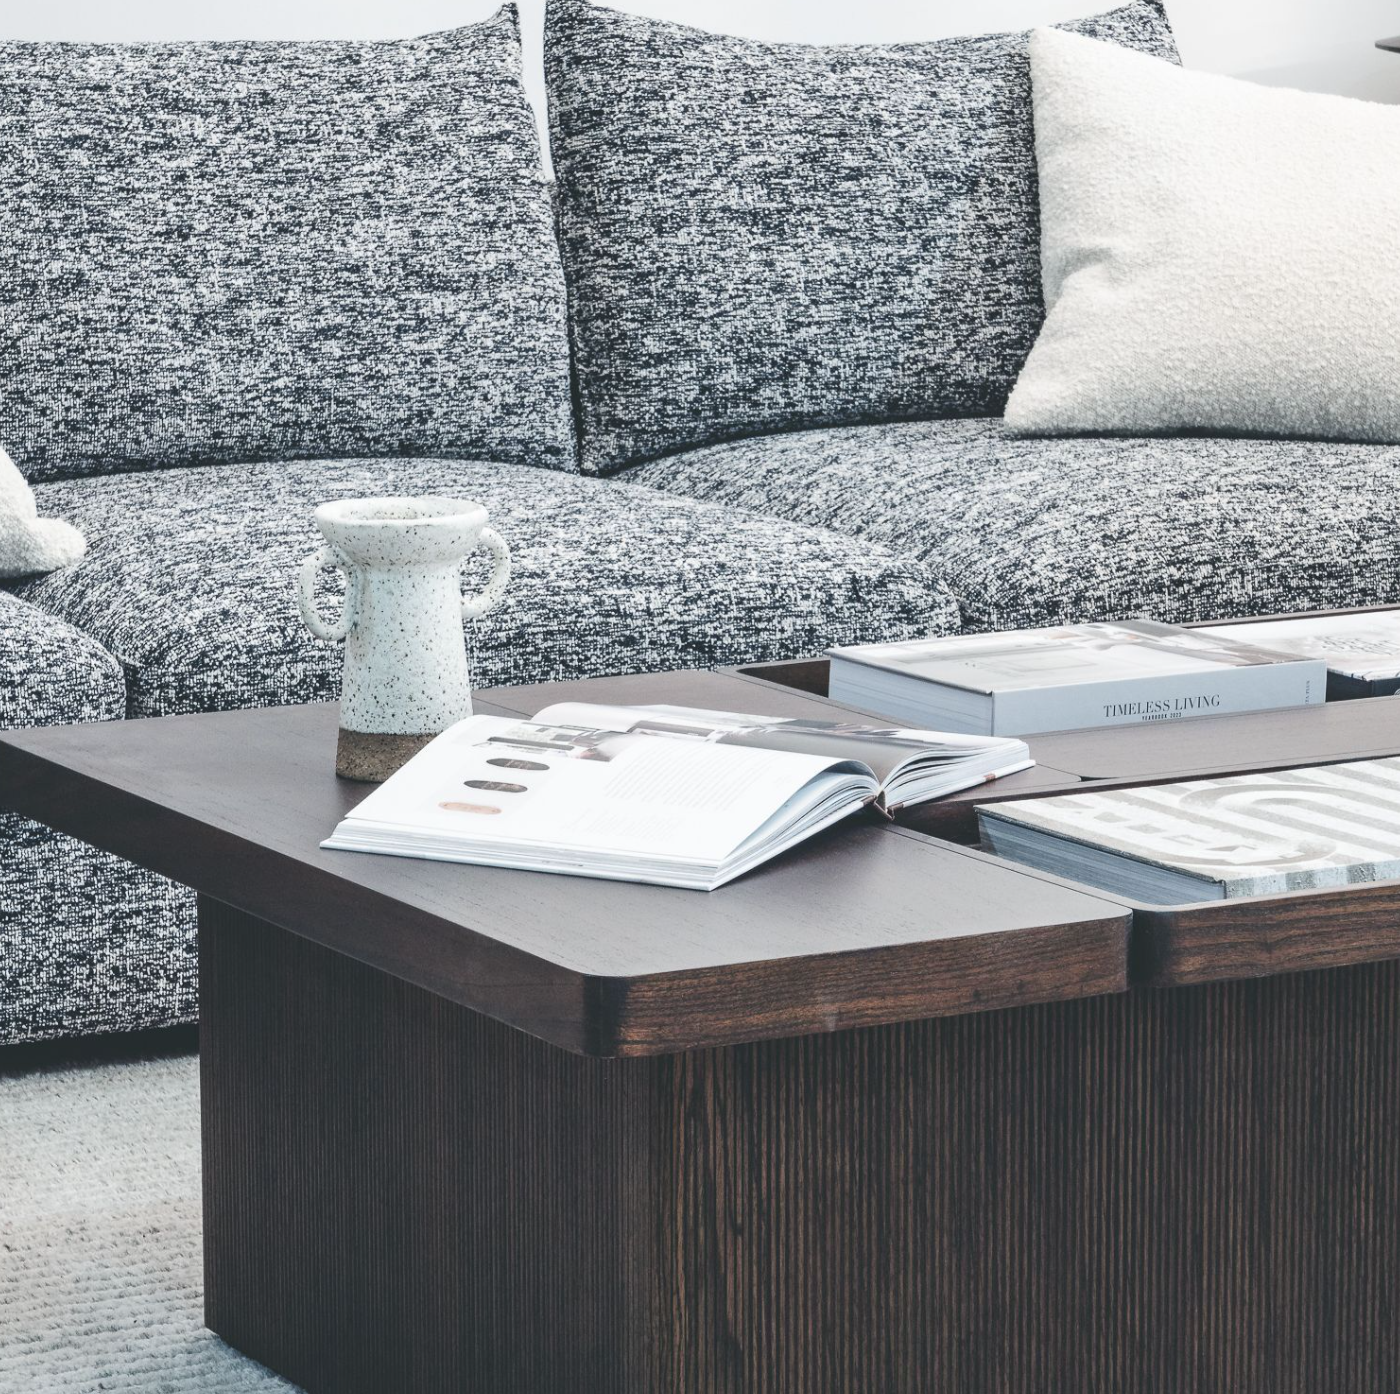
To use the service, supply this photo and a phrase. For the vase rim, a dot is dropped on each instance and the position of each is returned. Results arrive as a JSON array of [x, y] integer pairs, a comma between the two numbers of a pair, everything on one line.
[[403, 512]]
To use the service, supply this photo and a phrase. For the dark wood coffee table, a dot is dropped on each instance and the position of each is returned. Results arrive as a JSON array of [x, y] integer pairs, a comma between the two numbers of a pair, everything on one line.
[[884, 1117]]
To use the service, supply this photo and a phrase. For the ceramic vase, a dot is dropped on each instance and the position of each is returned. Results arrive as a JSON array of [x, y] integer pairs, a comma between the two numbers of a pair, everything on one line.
[[405, 675]]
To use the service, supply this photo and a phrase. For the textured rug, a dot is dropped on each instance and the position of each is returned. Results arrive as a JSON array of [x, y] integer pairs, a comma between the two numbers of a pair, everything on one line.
[[100, 1286]]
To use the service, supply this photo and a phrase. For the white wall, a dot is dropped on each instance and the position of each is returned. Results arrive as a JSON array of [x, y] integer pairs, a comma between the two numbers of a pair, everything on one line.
[[1322, 45]]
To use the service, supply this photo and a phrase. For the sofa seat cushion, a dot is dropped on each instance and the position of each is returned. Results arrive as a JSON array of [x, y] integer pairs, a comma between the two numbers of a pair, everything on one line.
[[88, 943], [52, 673], [1033, 532], [189, 579]]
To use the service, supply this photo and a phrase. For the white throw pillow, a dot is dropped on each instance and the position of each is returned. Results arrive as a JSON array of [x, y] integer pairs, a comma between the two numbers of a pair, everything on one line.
[[28, 543], [1216, 255]]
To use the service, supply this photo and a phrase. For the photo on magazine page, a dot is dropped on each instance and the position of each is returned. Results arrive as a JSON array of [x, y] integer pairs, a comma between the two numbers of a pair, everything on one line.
[[883, 748]]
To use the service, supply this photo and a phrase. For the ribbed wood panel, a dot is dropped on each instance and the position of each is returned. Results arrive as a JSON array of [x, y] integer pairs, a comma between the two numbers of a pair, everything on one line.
[[1193, 1190]]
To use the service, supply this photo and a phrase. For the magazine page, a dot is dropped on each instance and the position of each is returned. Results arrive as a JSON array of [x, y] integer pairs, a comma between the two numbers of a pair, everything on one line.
[[885, 749], [581, 788]]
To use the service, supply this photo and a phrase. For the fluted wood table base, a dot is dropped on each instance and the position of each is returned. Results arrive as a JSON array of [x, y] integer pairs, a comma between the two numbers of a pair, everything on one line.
[[1184, 1190]]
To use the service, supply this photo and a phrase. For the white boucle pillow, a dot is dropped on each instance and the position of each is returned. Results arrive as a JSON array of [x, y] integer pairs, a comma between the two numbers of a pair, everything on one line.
[[1216, 255], [28, 543]]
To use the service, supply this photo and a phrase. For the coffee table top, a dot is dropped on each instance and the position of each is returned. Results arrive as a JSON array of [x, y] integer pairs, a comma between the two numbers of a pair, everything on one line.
[[867, 923]]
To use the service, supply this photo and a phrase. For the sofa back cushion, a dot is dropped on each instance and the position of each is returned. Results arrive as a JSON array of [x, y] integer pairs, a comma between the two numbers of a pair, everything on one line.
[[761, 237], [214, 252], [1219, 256]]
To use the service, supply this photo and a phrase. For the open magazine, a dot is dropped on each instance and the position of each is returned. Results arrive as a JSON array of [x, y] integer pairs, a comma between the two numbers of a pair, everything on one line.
[[673, 795]]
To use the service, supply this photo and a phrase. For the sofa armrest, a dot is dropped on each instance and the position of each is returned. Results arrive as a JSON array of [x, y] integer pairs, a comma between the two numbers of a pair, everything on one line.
[[52, 673]]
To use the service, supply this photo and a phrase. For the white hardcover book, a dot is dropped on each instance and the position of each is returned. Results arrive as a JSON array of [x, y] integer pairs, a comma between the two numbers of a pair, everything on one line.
[[1071, 676], [1361, 651], [1209, 839]]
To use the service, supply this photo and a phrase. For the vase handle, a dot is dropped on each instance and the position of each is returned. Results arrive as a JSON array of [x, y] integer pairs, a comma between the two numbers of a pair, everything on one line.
[[474, 606], [327, 559]]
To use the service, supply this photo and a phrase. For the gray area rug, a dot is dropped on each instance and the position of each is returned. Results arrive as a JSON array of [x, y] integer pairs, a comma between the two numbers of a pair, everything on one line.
[[100, 1284]]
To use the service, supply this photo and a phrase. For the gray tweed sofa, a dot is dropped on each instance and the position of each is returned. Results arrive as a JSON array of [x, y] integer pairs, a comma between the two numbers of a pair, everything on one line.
[[733, 394]]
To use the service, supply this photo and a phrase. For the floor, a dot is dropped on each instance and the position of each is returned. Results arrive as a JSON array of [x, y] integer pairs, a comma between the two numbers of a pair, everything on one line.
[[100, 1281]]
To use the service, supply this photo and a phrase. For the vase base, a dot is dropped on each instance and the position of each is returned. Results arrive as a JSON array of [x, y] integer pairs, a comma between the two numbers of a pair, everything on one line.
[[371, 758]]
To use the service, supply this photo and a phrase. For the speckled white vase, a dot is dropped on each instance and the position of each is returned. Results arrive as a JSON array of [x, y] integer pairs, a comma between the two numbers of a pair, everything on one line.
[[406, 676]]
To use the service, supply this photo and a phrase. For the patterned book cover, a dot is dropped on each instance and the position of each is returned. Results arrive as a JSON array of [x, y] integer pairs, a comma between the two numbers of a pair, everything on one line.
[[1256, 834]]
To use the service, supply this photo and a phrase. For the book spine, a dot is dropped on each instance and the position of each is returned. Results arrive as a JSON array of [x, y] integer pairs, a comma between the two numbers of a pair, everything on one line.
[[1158, 700]]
